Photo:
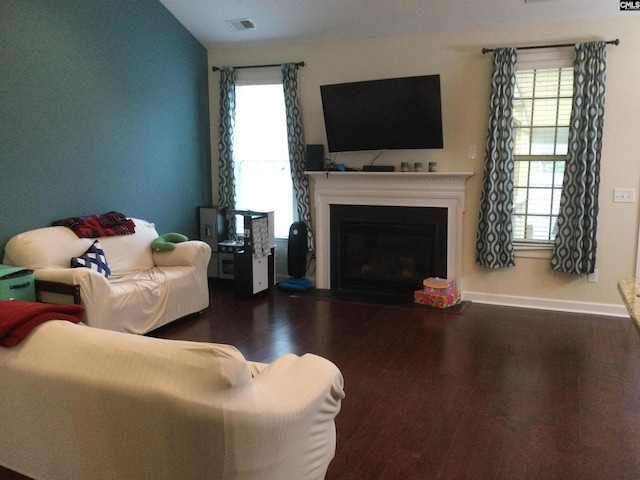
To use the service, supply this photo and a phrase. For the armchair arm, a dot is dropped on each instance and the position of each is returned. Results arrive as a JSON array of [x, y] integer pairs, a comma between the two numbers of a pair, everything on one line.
[[193, 252], [90, 283], [285, 425]]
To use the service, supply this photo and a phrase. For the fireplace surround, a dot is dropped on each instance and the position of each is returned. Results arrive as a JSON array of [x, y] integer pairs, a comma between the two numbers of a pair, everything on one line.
[[441, 190]]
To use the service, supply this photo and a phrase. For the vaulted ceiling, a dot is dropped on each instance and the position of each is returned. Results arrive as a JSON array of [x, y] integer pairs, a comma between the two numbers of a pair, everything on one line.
[[222, 23]]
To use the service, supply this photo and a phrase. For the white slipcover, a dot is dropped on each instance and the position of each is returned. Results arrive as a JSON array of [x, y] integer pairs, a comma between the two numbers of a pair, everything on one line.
[[84, 403], [145, 290]]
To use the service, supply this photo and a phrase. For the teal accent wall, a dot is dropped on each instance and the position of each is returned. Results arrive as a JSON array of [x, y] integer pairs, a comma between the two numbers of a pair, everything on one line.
[[103, 106]]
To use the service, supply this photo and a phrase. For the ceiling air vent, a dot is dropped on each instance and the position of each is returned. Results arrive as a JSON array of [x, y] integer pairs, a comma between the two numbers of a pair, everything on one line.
[[242, 24]]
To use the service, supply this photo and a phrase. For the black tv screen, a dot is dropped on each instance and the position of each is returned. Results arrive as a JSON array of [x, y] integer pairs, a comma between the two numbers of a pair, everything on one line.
[[395, 113]]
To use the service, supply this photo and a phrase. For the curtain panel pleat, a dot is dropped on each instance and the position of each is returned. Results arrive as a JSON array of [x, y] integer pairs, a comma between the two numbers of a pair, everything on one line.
[[494, 240], [575, 243], [226, 164], [295, 139]]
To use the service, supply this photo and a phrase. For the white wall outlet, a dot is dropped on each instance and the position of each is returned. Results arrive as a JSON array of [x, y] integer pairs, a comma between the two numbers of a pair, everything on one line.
[[624, 195], [472, 152], [593, 277]]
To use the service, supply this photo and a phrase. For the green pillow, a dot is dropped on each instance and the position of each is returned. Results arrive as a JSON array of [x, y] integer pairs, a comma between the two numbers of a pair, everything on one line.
[[167, 242]]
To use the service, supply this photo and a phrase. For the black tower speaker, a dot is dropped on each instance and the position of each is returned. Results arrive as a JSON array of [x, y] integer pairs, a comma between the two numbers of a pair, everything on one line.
[[297, 250], [315, 157]]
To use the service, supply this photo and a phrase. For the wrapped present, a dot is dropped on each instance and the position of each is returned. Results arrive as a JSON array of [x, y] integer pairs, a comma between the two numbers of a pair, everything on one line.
[[441, 286], [436, 300]]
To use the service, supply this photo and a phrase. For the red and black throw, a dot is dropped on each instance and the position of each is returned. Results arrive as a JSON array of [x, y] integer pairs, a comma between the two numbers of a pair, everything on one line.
[[101, 225]]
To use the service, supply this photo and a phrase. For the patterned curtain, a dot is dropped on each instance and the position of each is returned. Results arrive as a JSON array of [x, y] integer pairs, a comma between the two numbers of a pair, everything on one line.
[[494, 244], [226, 166], [296, 147], [575, 243]]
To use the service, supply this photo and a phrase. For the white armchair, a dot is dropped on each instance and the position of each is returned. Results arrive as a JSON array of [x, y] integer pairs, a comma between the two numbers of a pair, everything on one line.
[[145, 289]]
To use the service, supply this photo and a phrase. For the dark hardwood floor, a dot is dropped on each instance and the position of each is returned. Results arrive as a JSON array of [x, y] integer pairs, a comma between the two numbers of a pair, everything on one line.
[[486, 392], [494, 392]]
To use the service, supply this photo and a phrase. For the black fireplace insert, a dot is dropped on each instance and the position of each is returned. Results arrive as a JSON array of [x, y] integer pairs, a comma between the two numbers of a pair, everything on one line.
[[386, 249]]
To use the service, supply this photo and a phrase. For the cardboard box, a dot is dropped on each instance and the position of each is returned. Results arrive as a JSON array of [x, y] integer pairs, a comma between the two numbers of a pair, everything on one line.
[[436, 300]]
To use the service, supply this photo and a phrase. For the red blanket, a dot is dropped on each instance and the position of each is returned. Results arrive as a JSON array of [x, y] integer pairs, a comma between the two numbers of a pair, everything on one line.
[[101, 225], [17, 319]]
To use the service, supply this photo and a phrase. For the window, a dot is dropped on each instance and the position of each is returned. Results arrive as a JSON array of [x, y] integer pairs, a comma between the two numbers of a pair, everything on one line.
[[261, 154], [542, 110]]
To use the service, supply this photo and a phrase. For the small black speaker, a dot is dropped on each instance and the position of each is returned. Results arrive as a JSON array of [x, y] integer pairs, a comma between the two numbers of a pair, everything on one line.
[[297, 250], [315, 157]]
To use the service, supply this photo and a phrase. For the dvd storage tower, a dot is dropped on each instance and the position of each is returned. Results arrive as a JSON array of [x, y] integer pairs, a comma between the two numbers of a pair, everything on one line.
[[212, 231]]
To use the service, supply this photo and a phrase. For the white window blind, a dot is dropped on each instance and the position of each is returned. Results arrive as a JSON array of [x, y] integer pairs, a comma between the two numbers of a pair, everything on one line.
[[542, 109]]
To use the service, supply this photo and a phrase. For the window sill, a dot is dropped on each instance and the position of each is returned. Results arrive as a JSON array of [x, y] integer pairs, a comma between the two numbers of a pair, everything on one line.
[[532, 251]]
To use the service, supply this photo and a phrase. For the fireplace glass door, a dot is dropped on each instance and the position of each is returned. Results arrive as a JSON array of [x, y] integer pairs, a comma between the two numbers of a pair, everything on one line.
[[387, 249]]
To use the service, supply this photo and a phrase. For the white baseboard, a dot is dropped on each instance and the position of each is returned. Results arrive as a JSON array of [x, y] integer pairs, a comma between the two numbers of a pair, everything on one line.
[[590, 308]]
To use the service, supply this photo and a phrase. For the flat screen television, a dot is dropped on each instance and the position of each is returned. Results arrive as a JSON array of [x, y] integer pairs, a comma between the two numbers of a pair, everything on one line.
[[394, 113]]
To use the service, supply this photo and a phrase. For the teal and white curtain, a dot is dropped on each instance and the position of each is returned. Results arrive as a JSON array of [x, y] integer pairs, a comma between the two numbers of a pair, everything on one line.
[[226, 165], [494, 241], [296, 147], [575, 243]]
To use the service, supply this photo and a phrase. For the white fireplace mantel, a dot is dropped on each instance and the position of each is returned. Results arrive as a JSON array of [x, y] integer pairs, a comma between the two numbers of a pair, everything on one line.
[[410, 189]]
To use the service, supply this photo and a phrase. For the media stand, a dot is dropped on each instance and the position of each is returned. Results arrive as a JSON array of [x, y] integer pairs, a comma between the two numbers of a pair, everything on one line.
[[254, 262]]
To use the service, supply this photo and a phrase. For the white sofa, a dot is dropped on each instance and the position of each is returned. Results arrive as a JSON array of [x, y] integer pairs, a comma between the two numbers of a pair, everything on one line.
[[80, 403], [146, 289]]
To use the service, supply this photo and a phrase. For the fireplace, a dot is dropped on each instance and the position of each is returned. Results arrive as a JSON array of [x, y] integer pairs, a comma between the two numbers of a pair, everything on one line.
[[386, 249], [442, 191]]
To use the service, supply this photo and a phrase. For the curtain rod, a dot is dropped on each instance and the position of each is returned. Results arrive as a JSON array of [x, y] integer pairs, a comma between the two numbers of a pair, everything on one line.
[[559, 45], [299, 64]]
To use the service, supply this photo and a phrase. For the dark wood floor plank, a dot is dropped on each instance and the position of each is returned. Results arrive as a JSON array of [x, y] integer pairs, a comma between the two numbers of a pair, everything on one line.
[[401, 465]]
